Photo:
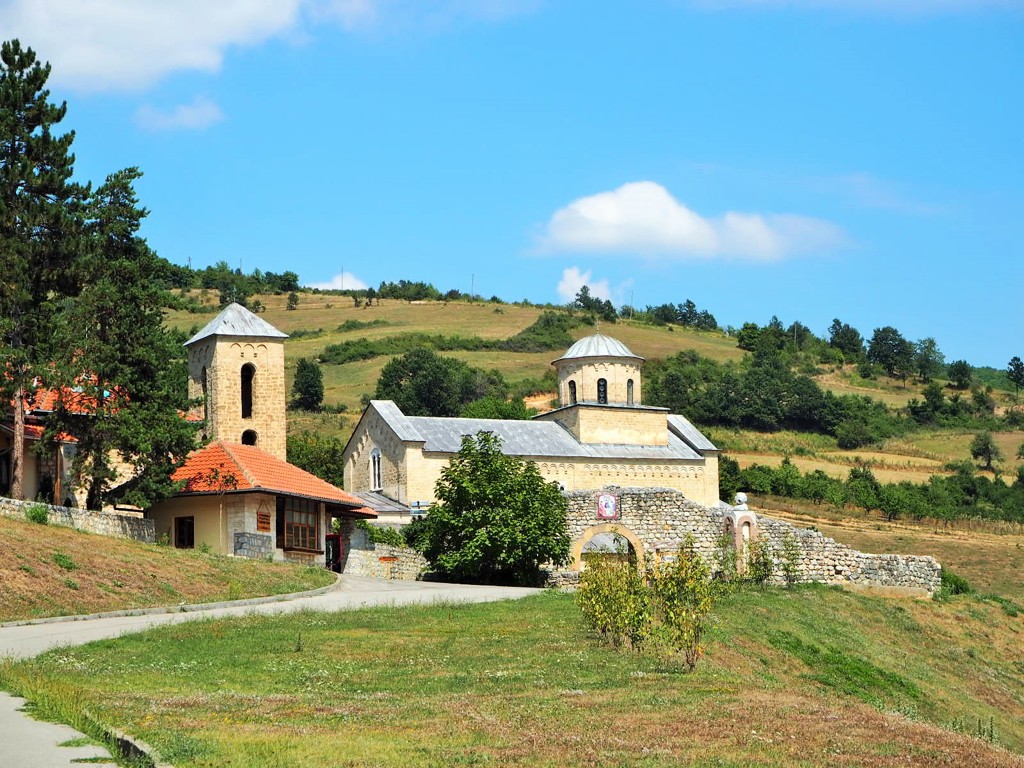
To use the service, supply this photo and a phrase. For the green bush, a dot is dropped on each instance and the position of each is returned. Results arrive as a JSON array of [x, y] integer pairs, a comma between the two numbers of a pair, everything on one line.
[[952, 584], [38, 513], [64, 561], [379, 534]]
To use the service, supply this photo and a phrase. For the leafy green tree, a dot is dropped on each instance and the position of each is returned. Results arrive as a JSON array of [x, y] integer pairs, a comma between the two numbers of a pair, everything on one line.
[[121, 373], [39, 227], [308, 387], [1020, 451], [847, 340], [928, 360], [890, 350], [1015, 373], [496, 519], [984, 448], [682, 597], [423, 383], [498, 408], [293, 300], [960, 372], [319, 455]]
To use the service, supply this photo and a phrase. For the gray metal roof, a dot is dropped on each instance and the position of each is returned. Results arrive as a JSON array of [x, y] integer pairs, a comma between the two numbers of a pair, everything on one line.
[[400, 424], [537, 439], [598, 345], [236, 320], [378, 502], [681, 426]]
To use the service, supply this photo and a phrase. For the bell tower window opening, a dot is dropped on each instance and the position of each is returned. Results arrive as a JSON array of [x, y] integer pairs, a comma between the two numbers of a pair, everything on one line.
[[602, 391], [629, 392], [572, 393], [249, 437], [248, 375], [376, 476]]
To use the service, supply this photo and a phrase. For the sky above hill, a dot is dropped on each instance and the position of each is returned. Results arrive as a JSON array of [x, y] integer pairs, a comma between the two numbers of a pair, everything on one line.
[[813, 159]]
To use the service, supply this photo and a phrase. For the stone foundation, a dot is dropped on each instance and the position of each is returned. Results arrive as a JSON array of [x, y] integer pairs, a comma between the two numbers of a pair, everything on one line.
[[380, 561], [259, 546], [103, 523]]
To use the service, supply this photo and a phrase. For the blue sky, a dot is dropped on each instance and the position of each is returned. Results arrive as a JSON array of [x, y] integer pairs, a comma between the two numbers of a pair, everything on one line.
[[813, 159]]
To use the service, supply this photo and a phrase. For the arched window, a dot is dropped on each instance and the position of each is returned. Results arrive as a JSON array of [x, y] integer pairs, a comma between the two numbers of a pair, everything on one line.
[[206, 401], [602, 391], [376, 480], [629, 392], [572, 393], [249, 437], [248, 374]]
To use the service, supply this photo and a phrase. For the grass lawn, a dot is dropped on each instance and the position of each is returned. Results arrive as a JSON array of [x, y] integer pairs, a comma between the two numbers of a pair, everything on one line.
[[54, 571], [807, 677]]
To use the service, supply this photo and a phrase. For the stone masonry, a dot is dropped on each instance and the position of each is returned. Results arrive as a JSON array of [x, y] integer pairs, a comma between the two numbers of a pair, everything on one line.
[[259, 546], [658, 521], [103, 523], [379, 561]]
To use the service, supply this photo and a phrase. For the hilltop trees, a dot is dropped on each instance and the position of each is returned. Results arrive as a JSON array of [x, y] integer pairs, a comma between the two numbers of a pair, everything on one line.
[[892, 352], [423, 383], [960, 373], [1015, 373], [308, 387]]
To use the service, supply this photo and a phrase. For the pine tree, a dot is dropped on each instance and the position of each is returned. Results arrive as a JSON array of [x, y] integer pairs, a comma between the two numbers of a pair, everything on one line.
[[121, 372], [38, 226]]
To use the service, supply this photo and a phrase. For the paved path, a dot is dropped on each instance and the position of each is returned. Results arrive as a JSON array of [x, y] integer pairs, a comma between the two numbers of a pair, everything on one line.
[[28, 743]]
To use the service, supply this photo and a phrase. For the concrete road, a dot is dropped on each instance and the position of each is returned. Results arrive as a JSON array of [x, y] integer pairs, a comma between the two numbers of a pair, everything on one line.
[[27, 743]]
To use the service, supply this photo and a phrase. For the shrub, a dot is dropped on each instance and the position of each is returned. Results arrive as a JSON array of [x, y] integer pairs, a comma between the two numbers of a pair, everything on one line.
[[38, 513], [615, 602], [682, 596], [64, 561], [952, 584], [790, 559], [380, 534], [761, 565]]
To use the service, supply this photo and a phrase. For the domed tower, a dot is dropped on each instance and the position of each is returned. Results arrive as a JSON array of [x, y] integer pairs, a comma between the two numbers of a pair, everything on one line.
[[236, 370], [600, 396], [599, 369]]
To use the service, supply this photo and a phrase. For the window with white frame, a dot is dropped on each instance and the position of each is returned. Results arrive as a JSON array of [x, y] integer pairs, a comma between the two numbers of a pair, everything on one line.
[[376, 476]]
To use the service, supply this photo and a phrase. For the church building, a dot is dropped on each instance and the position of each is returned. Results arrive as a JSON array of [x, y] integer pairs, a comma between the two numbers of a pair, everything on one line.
[[601, 434], [240, 495]]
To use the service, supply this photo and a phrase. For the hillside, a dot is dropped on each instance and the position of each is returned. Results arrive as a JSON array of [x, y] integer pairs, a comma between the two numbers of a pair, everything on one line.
[[801, 678], [55, 571], [317, 320]]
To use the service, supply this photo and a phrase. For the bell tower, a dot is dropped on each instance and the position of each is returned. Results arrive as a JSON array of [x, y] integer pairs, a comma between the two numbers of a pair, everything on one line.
[[236, 370]]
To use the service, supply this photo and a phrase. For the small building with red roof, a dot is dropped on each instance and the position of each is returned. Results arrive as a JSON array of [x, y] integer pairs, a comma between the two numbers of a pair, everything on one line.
[[239, 494]]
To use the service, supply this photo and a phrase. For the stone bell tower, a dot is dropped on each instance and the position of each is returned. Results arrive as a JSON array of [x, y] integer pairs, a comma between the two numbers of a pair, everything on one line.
[[236, 370]]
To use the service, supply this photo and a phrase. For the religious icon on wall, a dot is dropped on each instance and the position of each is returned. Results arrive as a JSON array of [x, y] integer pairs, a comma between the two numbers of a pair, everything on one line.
[[607, 506]]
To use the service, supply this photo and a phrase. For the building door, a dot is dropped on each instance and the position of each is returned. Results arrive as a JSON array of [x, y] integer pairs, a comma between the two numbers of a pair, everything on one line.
[[185, 532]]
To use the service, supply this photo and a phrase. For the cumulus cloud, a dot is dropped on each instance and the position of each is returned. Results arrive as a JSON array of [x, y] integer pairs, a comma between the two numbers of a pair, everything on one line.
[[201, 113], [878, 7], [128, 45], [643, 217], [573, 278], [97, 45], [343, 281]]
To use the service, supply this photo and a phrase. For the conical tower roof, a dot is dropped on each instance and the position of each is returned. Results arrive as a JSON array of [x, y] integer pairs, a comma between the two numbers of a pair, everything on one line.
[[236, 320]]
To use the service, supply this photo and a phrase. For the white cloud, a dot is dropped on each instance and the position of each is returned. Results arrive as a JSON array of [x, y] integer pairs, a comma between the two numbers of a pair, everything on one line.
[[643, 217], [343, 281], [878, 7], [573, 279], [201, 113], [97, 45], [129, 45]]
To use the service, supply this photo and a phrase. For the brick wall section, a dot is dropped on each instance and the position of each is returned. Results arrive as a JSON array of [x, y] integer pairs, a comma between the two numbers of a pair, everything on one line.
[[259, 546], [659, 520], [364, 558], [103, 523]]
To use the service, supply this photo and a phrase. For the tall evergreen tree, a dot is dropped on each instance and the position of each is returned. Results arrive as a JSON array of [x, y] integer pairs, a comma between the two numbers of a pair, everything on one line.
[[121, 373], [38, 226]]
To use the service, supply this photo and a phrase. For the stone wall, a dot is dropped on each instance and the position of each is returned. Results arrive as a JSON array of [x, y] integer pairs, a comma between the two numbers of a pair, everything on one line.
[[103, 523], [363, 557], [259, 546], [657, 521]]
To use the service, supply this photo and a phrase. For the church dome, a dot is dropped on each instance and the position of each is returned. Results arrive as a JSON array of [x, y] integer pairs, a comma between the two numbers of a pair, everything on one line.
[[598, 345]]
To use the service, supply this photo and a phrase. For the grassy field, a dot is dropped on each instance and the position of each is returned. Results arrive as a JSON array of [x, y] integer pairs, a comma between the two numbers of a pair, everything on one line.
[[807, 677], [54, 571]]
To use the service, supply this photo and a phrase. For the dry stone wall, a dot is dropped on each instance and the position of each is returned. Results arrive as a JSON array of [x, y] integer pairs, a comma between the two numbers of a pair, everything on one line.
[[658, 521], [103, 523]]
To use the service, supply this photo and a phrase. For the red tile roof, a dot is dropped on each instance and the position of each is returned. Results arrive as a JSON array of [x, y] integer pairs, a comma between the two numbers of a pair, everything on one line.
[[222, 467]]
